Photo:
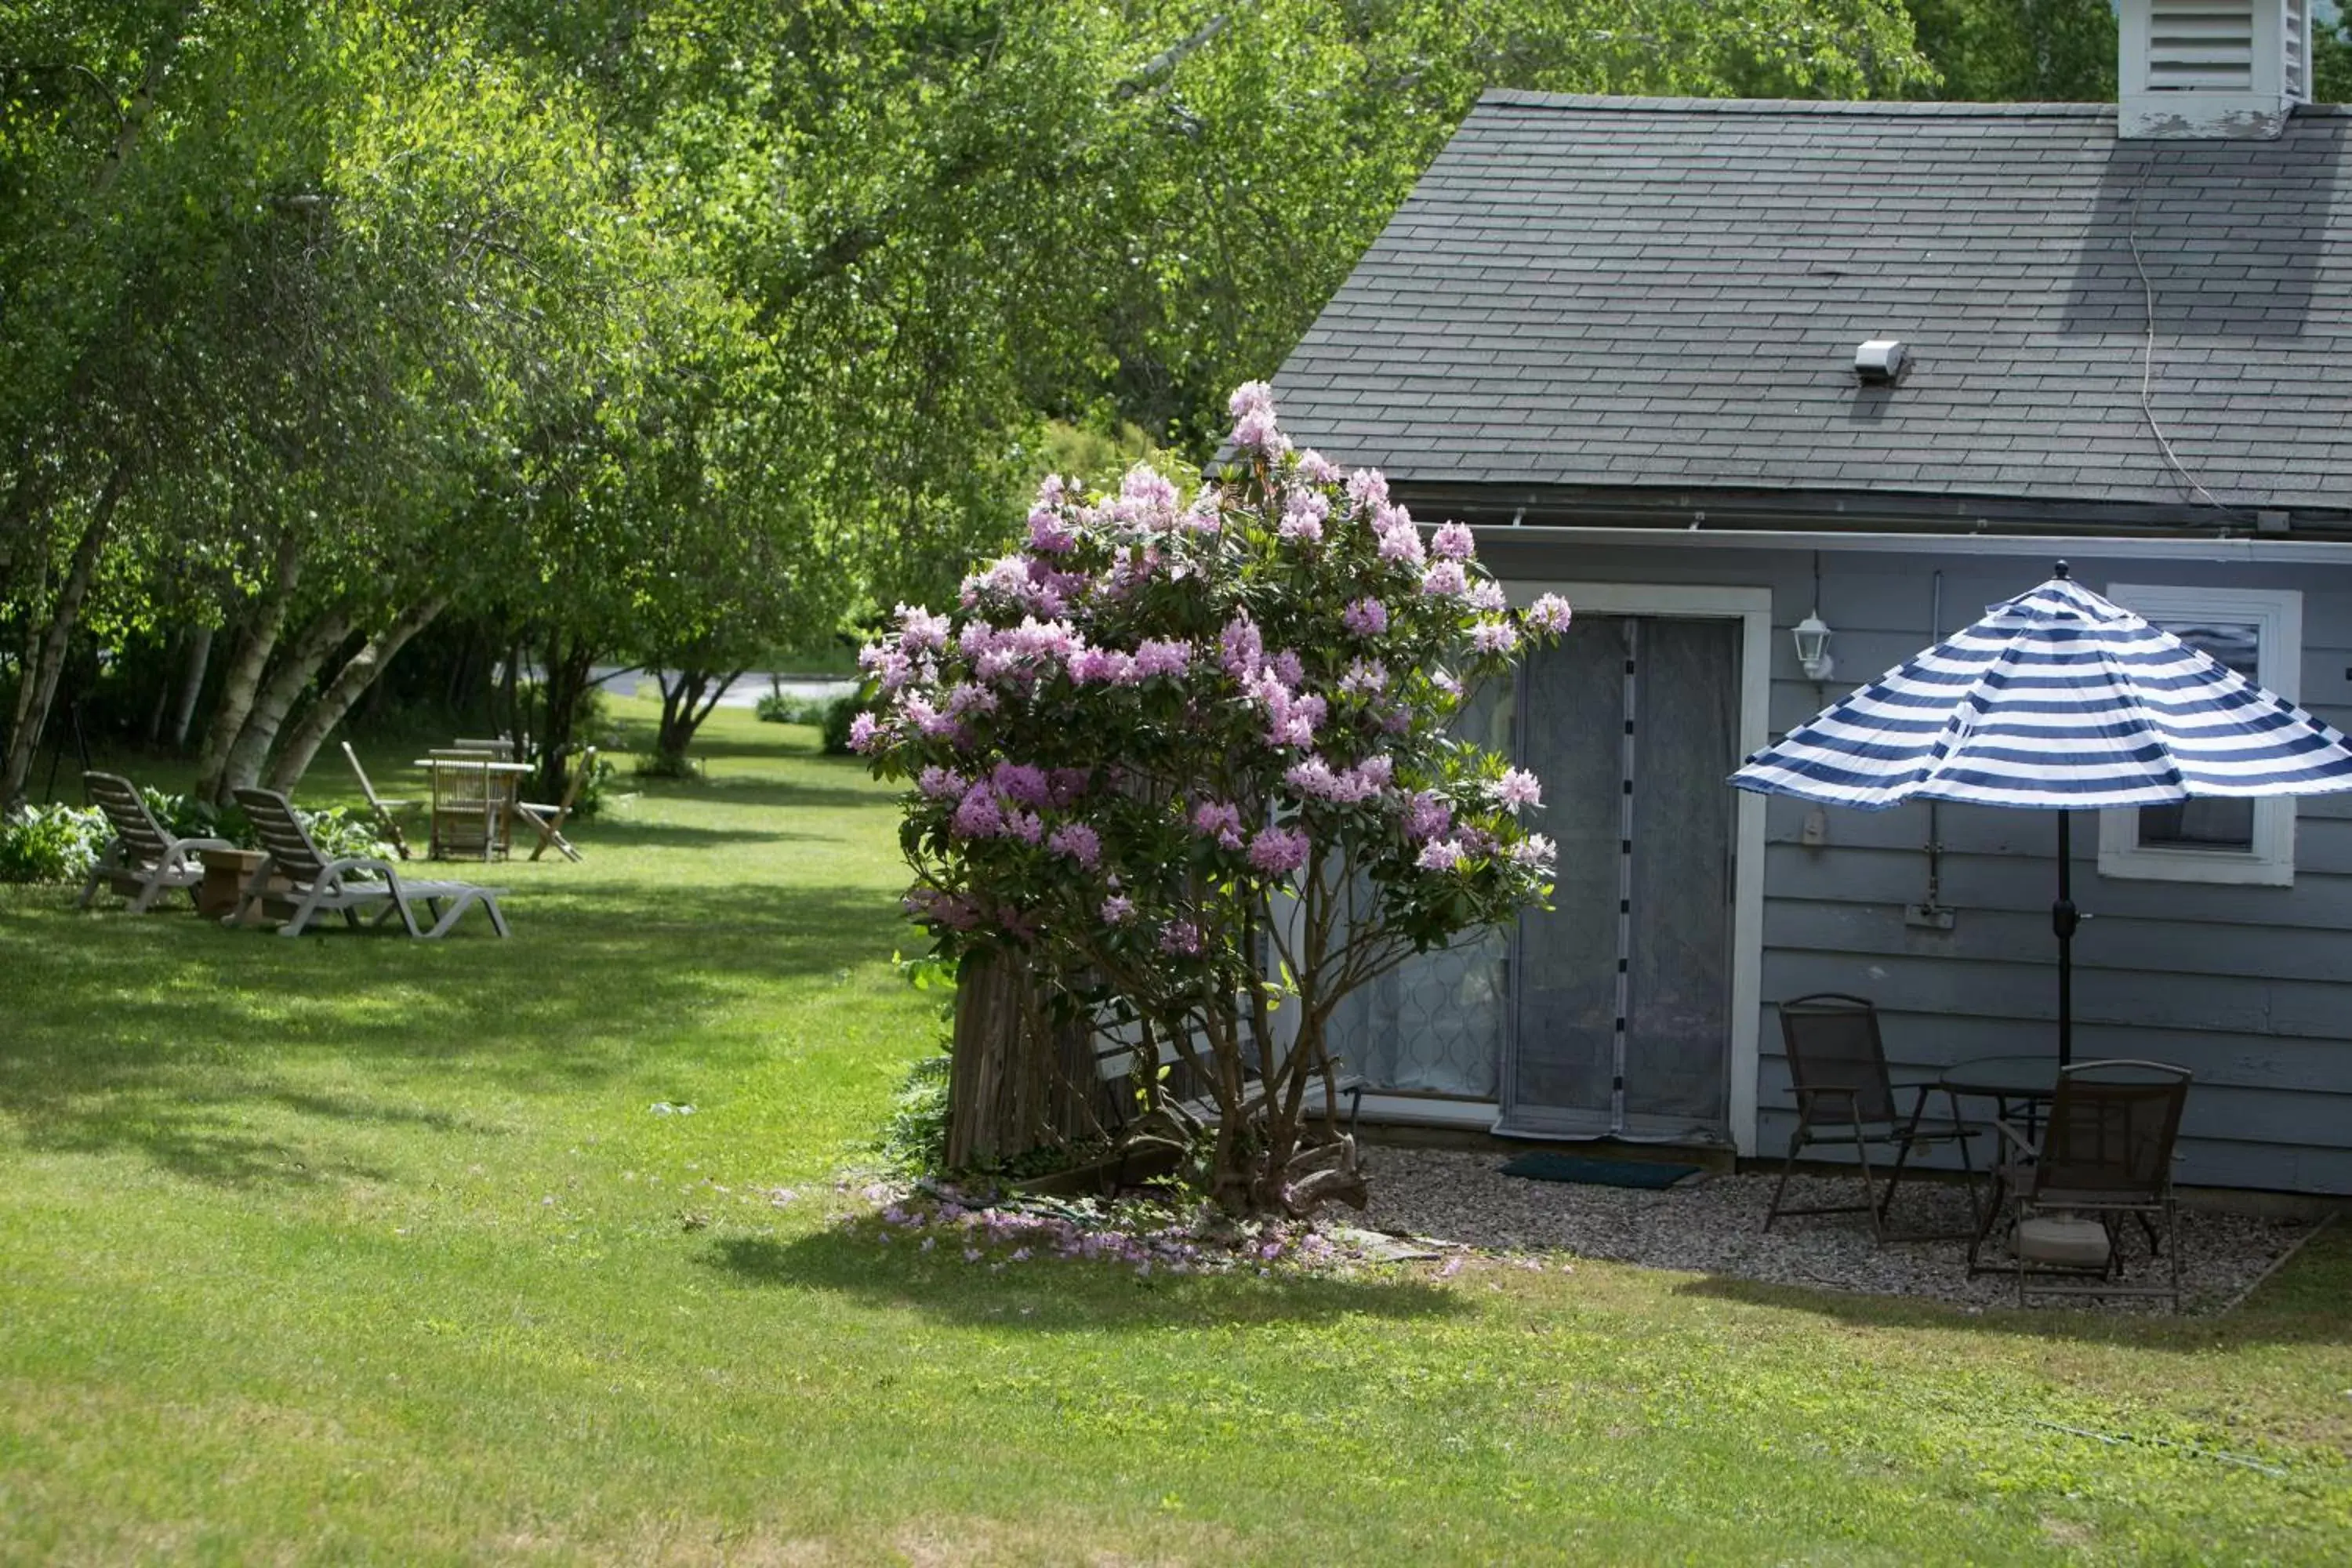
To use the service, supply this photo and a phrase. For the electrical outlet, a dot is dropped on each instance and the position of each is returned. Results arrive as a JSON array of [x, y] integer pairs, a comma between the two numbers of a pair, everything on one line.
[[1928, 917], [1816, 830]]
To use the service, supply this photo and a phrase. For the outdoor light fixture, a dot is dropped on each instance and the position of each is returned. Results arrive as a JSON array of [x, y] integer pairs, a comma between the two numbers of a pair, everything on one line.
[[1812, 635]]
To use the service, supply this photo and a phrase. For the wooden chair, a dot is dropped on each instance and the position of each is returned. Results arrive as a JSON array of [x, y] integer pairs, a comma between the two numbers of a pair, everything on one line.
[[470, 805], [320, 886], [547, 821], [143, 858], [2105, 1150], [1838, 1063], [383, 809], [501, 748]]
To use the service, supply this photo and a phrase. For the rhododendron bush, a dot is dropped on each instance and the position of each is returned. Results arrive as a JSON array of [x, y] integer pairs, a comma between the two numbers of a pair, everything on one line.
[[1190, 758]]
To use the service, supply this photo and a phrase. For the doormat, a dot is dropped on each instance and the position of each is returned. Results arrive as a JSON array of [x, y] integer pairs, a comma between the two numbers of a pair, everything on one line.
[[1548, 1167]]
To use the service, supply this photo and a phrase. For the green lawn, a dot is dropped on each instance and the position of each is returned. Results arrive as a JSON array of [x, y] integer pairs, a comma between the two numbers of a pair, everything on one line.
[[353, 1247]]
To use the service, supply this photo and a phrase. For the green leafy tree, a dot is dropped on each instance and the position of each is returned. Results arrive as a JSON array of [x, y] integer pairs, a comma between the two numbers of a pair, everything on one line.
[[2019, 51]]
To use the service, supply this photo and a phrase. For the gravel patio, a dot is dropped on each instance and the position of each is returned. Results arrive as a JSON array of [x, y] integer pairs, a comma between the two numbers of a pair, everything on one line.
[[1714, 1224]]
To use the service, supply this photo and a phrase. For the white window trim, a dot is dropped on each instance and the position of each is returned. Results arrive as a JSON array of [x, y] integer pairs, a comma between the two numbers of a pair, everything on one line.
[[2278, 612]]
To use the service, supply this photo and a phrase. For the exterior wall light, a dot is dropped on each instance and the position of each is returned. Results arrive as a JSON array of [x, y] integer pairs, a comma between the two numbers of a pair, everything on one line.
[[1812, 635]]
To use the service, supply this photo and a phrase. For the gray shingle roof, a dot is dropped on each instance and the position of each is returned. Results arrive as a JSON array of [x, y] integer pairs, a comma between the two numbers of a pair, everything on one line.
[[1587, 291]]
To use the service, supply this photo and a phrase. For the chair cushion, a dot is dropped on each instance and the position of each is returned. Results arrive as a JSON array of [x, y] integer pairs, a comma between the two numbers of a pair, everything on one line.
[[2068, 1243]]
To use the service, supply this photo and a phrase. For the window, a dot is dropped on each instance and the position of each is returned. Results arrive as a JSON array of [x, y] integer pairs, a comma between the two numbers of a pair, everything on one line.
[[2257, 632]]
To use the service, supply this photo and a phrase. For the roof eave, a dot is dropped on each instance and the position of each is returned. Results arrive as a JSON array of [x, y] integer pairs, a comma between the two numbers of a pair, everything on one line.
[[1842, 511]]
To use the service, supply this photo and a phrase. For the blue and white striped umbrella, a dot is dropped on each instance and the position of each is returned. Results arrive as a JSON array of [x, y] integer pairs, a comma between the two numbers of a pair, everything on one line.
[[2057, 699]]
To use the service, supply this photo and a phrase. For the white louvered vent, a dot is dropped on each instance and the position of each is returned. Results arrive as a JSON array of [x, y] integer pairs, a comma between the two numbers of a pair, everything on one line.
[[2192, 68], [2201, 46]]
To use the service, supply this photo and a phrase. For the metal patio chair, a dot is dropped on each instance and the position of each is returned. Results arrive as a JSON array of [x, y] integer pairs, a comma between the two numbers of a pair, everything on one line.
[[1845, 1097], [2105, 1150]]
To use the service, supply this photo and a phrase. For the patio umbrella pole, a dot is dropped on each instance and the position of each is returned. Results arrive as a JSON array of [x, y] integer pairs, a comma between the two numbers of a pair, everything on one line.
[[2063, 919]]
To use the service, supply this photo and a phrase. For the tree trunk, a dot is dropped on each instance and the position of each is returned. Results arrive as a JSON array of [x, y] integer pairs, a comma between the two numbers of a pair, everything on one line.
[[358, 675], [287, 678], [510, 681], [686, 703], [243, 677], [45, 647], [1017, 1081], [562, 686], [163, 703], [192, 684]]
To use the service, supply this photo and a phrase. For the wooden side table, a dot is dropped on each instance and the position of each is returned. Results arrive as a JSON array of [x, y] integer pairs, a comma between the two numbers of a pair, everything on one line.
[[225, 873]]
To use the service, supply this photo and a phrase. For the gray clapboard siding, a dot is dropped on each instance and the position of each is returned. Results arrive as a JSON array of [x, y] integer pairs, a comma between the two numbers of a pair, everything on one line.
[[1974, 883], [2249, 987]]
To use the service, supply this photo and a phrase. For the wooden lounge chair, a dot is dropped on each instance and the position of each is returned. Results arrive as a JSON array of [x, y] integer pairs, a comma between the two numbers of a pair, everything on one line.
[[383, 809], [144, 857], [320, 886], [547, 821]]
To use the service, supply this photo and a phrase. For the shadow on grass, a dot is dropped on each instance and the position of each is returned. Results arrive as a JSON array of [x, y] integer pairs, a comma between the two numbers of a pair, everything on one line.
[[160, 1036], [2307, 1301], [769, 793], [1057, 1296], [620, 833]]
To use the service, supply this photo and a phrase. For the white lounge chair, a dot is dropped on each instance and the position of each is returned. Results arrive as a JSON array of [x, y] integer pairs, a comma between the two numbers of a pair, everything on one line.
[[320, 886], [144, 854]]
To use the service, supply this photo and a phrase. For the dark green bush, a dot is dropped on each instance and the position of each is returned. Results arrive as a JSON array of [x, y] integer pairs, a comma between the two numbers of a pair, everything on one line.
[[839, 714]]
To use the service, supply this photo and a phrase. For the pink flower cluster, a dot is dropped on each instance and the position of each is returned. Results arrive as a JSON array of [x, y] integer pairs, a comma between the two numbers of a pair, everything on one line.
[[1534, 850], [1399, 539], [1548, 616], [1490, 635], [1454, 541], [1365, 678], [1367, 617], [1427, 815], [1079, 842], [1290, 716], [1254, 428], [1278, 850], [1440, 855], [1316, 779], [1220, 821], [1516, 789], [1303, 512]]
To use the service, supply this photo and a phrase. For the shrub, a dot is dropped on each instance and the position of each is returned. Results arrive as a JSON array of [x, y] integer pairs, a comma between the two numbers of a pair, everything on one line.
[[51, 844], [914, 1139], [1170, 736], [783, 707], [840, 720], [595, 788], [61, 843]]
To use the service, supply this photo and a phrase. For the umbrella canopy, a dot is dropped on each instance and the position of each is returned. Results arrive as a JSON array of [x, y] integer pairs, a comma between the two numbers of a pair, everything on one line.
[[2057, 699]]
